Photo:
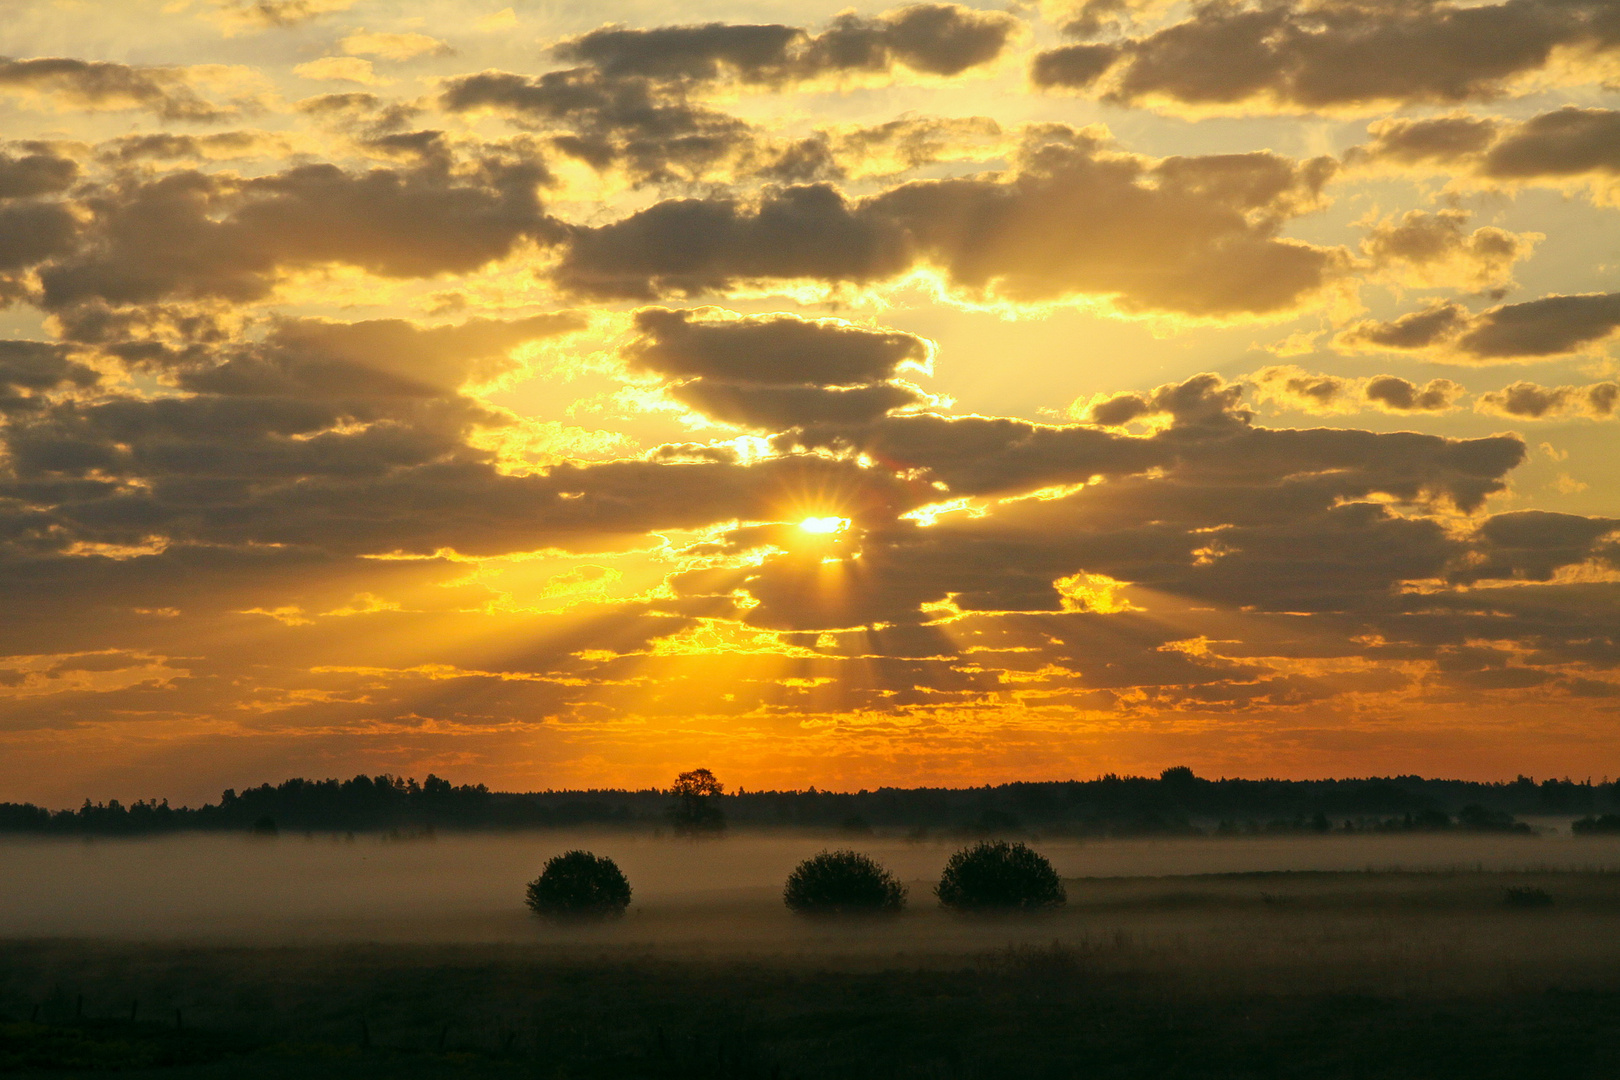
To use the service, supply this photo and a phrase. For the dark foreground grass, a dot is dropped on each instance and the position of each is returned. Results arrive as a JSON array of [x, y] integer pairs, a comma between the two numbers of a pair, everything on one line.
[[1220, 990]]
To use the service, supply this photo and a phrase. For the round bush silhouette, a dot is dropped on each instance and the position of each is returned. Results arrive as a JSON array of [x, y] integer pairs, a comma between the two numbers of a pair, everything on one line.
[[998, 876], [838, 882], [579, 883]]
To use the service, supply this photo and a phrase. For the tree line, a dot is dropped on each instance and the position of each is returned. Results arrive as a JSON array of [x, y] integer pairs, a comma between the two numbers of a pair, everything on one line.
[[1175, 802]]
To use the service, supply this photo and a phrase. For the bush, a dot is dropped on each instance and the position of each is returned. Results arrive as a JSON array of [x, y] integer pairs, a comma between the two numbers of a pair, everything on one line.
[[1588, 825], [1477, 818], [1526, 896], [996, 875], [837, 882], [579, 883]]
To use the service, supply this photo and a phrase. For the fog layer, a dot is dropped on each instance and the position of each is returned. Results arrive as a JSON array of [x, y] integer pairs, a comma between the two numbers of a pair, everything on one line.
[[714, 895]]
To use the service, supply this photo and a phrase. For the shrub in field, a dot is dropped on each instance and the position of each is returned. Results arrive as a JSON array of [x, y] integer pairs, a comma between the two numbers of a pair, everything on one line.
[[579, 883], [836, 882], [1477, 818], [998, 876], [1607, 823], [1526, 896]]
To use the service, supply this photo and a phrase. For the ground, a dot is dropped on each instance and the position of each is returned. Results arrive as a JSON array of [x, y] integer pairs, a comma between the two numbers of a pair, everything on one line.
[[1277, 975]]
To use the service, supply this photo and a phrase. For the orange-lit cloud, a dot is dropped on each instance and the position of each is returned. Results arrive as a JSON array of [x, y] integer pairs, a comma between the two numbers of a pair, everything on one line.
[[813, 399]]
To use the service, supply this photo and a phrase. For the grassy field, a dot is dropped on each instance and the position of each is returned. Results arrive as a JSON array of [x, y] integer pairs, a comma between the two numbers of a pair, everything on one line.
[[1278, 975]]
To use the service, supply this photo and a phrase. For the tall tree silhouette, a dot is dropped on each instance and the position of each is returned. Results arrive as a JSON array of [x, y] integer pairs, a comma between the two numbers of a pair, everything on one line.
[[696, 806]]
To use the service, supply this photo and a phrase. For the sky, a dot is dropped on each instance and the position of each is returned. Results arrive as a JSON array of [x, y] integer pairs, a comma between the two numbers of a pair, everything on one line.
[[564, 394]]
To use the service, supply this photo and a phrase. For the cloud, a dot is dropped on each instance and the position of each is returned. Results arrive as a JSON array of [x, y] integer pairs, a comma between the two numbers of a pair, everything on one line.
[[236, 16], [854, 151], [1201, 401], [36, 173], [167, 146], [1288, 387], [1545, 328], [341, 69], [1394, 394], [1194, 236], [97, 85], [1072, 67], [932, 39], [405, 46], [775, 408], [778, 349], [29, 369], [1526, 400], [30, 233], [1210, 508], [778, 371], [656, 133], [194, 235], [378, 357], [1207, 421], [1431, 250], [1565, 146], [1337, 55], [1532, 545]]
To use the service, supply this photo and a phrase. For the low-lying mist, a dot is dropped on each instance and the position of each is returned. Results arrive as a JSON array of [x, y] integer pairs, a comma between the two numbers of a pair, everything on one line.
[[718, 895]]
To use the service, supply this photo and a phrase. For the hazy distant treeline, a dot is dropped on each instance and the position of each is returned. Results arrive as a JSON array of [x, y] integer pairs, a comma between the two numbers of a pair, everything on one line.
[[1175, 802]]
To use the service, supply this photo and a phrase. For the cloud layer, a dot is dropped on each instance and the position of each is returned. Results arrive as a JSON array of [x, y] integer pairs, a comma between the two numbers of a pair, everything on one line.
[[820, 398]]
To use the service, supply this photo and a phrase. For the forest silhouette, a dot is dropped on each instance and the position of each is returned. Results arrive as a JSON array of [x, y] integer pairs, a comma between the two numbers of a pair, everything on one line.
[[1175, 803]]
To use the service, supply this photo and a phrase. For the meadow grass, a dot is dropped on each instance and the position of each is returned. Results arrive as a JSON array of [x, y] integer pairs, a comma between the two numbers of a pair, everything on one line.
[[1236, 975]]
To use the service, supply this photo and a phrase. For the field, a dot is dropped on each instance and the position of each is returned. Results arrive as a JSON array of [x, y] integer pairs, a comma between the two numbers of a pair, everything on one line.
[[1332, 957]]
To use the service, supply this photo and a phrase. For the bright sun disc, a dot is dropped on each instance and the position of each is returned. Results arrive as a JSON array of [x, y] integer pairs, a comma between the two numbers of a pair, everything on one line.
[[824, 524]]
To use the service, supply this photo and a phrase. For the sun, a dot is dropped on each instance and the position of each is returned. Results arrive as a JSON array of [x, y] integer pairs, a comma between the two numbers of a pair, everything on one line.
[[824, 525]]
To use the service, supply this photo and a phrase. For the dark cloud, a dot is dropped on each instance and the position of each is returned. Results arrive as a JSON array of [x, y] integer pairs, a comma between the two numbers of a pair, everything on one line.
[[1436, 249], [276, 13], [1337, 54], [28, 368], [32, 232], [983, 455], [1411, 142], [1527, 400], [96, 85], [1072, 67], [752, 53], [376, 358], [934, 39], [197, 235], [1532, 545], [1210, 508], [1547, 327], [1568, 144], [657, 133], [653, 132], [1398, 395], [1292, 388], [1200, 401], [1414, 330], [782, 349], [879, 150], [777, 371], [168, 146], [33, 228], [631, 105], [773, 408], [1210, 435], [1191, 235], [346, 438], [35, 172]]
